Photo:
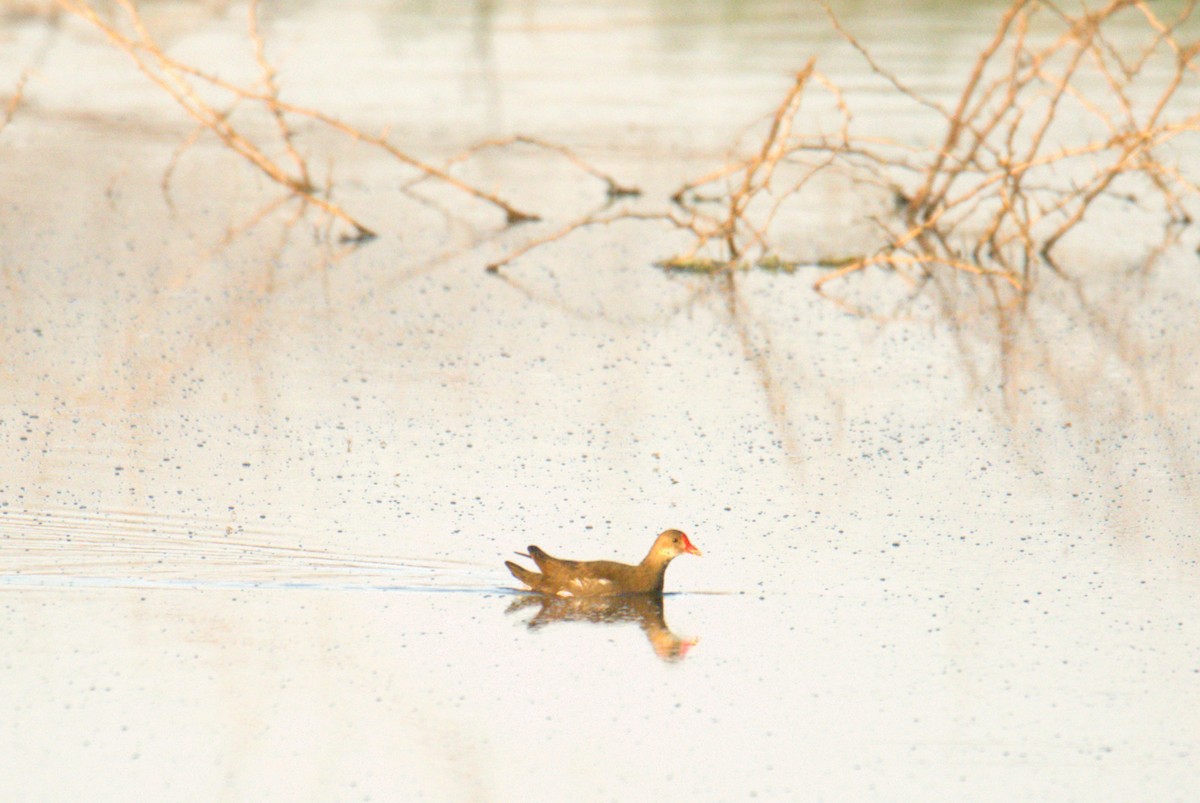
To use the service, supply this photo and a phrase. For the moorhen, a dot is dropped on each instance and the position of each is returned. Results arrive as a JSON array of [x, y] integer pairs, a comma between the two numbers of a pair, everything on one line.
[[604, 578]]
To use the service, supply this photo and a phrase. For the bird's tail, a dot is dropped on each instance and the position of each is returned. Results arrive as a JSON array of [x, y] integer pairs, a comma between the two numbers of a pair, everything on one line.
[[527, 577]]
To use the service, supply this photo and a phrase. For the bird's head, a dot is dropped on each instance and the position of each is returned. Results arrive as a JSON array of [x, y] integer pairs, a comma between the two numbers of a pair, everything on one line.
[[675, 542]]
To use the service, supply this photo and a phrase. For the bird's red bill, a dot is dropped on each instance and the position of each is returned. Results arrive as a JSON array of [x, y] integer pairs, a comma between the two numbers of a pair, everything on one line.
[[690, 548]]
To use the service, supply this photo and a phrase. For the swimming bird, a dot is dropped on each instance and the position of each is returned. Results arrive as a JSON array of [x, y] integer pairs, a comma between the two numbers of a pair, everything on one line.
[[603, 578]]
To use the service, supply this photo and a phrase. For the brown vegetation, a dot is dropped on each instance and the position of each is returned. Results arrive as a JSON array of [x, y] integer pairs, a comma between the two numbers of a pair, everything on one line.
[[212, 101], [1045, 127], [1051, 121]]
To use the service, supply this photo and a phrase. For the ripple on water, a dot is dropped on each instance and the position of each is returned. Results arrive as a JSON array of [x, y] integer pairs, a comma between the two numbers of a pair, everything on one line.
[[135, 548]]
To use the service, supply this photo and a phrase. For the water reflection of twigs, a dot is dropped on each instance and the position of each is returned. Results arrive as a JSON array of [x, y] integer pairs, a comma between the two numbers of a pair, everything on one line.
[[757, 351], [599, 218], [233, 320], [1078, 346], [9, 107], [644, 610], [18, 95], [585, 222], [614, 188]]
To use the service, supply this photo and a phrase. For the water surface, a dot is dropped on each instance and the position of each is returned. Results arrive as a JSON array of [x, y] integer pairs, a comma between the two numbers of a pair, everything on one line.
[[258, 489]]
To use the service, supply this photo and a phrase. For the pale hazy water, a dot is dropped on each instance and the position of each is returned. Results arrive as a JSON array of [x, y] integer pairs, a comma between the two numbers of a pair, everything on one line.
[[256, 498]]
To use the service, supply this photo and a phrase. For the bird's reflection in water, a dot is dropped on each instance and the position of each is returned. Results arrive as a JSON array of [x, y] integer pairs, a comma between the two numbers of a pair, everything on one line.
[[645, 610]]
